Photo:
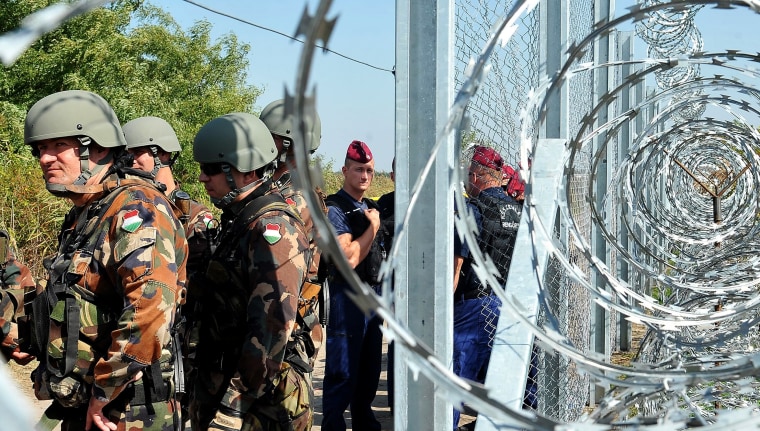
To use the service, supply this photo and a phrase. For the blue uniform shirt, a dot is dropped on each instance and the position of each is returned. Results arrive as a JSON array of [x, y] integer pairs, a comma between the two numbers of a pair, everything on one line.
[[336, 216]]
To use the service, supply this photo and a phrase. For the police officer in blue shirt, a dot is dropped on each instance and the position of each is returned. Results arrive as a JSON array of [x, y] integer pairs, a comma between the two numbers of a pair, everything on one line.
[[354, 341], [476, 307]]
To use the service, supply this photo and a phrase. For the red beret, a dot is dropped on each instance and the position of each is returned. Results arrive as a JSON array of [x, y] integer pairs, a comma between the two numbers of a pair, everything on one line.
[[358, 151], [507, 173], [516, 186], [488, 157]]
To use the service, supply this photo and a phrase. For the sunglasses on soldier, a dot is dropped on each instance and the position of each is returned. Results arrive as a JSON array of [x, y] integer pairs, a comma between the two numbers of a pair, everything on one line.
[[211, 168]]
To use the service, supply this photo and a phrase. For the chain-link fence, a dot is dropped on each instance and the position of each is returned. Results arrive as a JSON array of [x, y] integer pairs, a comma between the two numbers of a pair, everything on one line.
[[678, 255], [554, 386], [495, 108]]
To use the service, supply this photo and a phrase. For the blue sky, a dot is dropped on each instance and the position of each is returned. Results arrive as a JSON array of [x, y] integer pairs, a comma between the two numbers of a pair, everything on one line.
[[354, 101]]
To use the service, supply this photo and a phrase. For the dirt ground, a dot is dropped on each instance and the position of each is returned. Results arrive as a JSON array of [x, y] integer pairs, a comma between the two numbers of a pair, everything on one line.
[[20, 375], [624, 358], [382, 411]]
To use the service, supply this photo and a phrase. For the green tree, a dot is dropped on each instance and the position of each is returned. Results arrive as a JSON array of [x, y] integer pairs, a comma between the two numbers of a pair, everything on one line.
[[139, 59]]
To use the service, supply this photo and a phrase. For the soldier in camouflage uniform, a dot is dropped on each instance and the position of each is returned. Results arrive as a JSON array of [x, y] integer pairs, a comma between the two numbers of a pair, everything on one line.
[[151, 141], [280, 124], [103, 323], [18, 288], [252, 370]]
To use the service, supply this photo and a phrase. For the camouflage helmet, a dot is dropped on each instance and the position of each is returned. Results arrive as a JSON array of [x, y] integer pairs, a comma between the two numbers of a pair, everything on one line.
[[149, 131], [280, 124], [238, 139], [73, 113]]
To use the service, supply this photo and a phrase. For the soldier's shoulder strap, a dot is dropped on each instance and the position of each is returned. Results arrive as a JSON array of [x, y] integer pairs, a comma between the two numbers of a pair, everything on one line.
[[263, 204], [321, 195]]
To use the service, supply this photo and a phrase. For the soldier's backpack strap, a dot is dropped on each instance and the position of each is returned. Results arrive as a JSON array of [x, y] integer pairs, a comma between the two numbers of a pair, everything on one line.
[[57, 289], [264, 204], [4, 253]]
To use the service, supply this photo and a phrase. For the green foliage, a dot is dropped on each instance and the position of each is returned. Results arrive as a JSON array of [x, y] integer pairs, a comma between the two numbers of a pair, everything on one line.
[[468, 137], [139, 59], [31, 214], [661, 295], [474, 137], [333, 179], [11, 131], [381, 185]]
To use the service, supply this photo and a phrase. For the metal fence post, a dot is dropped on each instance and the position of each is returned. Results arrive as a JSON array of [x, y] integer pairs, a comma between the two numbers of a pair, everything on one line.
[[627, 100], [424, 289]]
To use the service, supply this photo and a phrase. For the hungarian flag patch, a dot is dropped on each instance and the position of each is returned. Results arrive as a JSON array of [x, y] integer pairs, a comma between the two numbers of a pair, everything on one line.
[[131, 220], [207, 220], [272, 233]]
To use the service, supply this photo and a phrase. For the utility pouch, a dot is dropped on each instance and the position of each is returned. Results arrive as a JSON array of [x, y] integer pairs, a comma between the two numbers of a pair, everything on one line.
[[307, 302], [26, 341], [182, 200], [69, 391]]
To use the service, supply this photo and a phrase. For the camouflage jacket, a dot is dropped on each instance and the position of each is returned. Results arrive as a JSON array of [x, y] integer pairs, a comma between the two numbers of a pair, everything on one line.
[[250, 299], [123, 254], [17, 283], [199, 220], [295, 198]]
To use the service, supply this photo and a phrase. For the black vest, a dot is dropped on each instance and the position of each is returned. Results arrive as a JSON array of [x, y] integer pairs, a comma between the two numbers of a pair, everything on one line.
[[368, 269], [387, 216], [501, 218]]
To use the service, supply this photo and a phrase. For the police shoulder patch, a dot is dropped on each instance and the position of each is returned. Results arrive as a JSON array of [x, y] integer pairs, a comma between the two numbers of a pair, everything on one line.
[[272, 233], [131, 220]]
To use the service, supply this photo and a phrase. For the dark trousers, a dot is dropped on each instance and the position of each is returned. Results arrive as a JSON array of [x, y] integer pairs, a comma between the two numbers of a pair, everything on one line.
[[391, 375], [474, 327], [352, 364]]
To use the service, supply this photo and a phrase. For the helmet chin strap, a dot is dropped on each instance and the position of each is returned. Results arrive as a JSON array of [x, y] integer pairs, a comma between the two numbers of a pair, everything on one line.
[[286, 143], [77, 186], [157, 163], [84, 161], [227, 199]]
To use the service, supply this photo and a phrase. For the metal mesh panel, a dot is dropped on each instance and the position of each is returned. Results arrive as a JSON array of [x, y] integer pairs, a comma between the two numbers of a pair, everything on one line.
[[495, 109], [560, 391], [577, 314]]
